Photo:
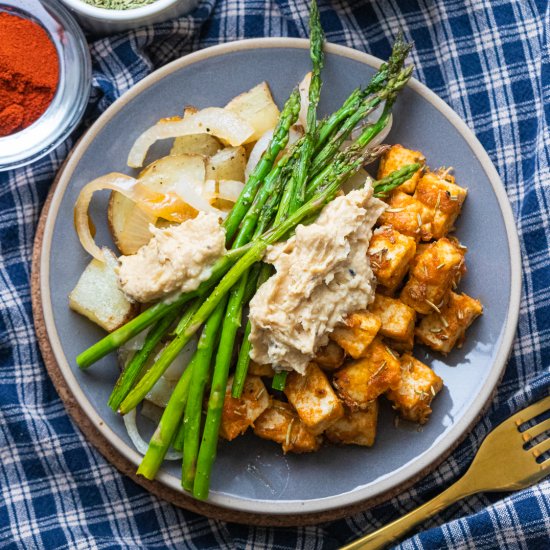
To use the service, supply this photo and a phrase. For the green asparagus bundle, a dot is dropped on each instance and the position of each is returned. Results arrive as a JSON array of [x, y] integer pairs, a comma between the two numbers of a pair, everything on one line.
[[279, 194]]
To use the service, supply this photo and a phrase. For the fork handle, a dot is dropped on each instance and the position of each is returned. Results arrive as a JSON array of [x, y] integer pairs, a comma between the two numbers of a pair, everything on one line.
[[394, 530]]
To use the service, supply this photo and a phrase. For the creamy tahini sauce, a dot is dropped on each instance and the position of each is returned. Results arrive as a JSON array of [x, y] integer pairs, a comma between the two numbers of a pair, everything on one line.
[[323, 274], [177, 259]]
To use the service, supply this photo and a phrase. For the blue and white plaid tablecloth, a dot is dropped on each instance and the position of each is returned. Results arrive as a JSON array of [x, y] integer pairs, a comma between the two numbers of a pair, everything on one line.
[[489, 59]]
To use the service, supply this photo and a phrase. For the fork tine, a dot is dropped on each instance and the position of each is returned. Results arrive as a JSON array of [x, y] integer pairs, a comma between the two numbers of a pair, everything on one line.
[[541, 448], [531, 433], [530, 412]]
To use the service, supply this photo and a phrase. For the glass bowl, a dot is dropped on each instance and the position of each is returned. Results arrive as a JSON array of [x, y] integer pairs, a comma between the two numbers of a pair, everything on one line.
[[103, 21], [73, 90]]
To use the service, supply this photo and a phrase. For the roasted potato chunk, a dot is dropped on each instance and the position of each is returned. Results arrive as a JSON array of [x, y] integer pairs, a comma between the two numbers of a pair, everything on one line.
[[197, 144], [281, 424], [98, 297], [355, 427], [363, 380], [227, 164], [313, 398], [330, 357], [398, 157], [390, 253], [433, 273], [239, 414], [418, 385], [357, 333], [258, 109], [409, 216], [260, 370], [444, 197], [397, 319], [442, 332]]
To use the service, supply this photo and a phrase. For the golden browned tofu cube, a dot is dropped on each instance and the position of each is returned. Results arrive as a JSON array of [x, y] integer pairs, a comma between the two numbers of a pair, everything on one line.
[[390, 253], [398, 157], [442, 332], [418, 386], [363, 380], [260, 370], [397, 318], [355, 427], [432, 275], [281, 424], [400, 346], [330, 357], [239, 414], [409, 216], [444, 197], [313, 398], [357, 333]]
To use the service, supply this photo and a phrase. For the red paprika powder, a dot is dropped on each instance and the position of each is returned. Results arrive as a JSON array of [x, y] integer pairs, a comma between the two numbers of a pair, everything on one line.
[[29, 72]]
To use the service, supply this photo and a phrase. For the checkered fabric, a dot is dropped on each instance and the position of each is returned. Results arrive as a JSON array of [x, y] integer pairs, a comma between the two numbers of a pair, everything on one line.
[[489, 59]]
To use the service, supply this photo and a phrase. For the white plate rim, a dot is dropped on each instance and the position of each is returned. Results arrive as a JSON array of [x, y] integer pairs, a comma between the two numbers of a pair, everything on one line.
[[374, 489]]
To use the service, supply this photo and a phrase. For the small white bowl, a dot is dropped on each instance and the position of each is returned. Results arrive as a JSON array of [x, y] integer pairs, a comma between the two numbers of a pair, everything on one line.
[[105, 21]]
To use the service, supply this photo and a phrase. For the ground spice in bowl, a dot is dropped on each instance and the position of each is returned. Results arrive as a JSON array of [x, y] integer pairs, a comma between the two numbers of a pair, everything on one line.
[[29, 72]]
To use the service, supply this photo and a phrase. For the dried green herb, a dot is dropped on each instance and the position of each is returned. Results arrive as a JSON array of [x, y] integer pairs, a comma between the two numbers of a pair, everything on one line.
[[119, 4]]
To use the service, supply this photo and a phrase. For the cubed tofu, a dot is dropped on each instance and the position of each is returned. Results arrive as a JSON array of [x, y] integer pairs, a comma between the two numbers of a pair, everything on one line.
[[281, 424], [442, 332], [409, 216], [418, 385], [390, 253], [359, 382], [433, 273], [313, 398], [397, 319], [357, 333], [239, 414], [260, 370], [330, 357], [400, 346], [355, 427], [444, 197], [398, 157]]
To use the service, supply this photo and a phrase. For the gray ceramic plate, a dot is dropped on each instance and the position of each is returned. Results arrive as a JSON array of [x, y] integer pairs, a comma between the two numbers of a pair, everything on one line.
[[251, 474]]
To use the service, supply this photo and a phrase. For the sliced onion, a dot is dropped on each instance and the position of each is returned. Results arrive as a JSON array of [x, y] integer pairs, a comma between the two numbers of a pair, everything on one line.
[[230, 190], [163, 205], [215, 121], [357, 181], [257, 151], [162, 390], [294, 134], [136, 231], [221, 191], [151, 411], [371, 119], [139, 443], [175, 370], [304, 99]]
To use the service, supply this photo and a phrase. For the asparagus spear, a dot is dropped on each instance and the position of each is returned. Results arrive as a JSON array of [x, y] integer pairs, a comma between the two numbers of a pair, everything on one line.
[[288, 117], [243, 359], [395, 63], [396, 82], [199, 378], [207, 451], [134, 367], [300, 172], [395, 179], [169, 422], [389, 93], [121, 335]]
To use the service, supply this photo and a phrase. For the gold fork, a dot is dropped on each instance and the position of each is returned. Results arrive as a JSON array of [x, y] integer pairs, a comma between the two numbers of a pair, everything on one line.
[[501, 464]]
